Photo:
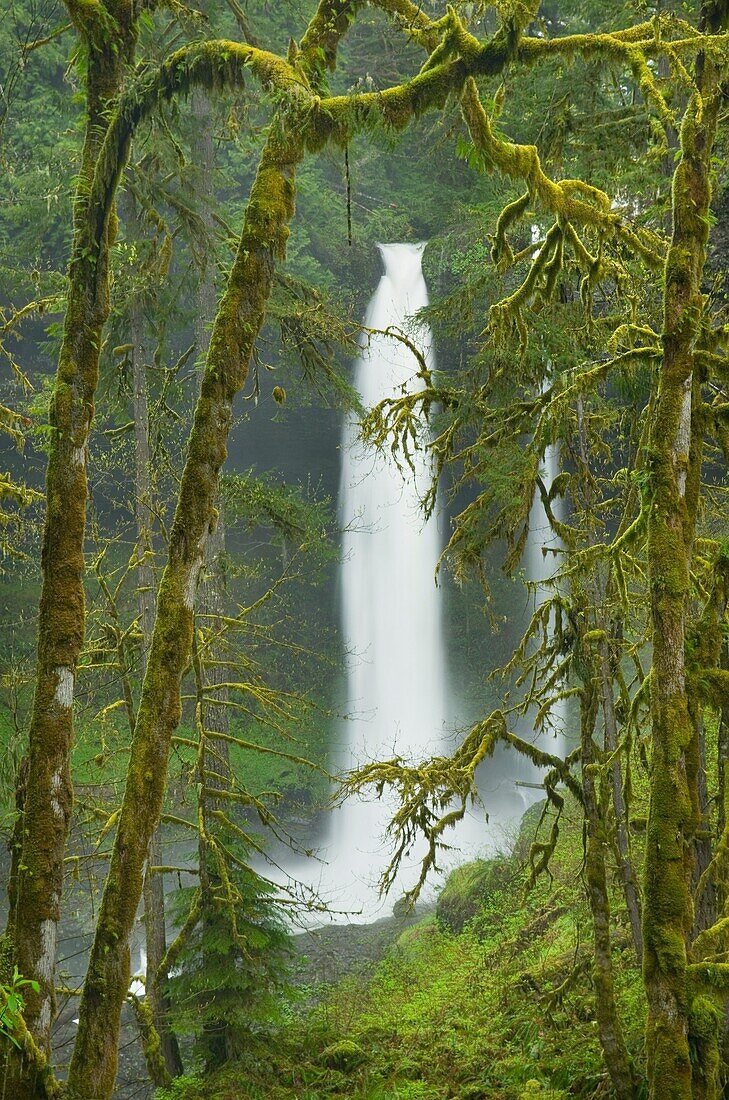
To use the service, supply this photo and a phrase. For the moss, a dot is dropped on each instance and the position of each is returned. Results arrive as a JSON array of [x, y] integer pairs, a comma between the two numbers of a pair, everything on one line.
[[534, 1090], [345, 1056], [705, 1021], [572, 201], [7, 958], [320, 43], [48, 798], [673, 817], [705, 1018], [466, 889], [501, 253], [151, 1044]]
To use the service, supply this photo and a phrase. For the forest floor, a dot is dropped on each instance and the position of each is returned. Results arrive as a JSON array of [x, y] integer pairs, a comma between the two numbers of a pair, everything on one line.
[[488, 997]]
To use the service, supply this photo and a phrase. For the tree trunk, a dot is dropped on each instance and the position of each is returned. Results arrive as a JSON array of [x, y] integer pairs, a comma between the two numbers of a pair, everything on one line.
[[218, 1043], [626, 870], [35, 912], [674, 805], [705, 911], [153, 890], [612, 1041], [597, 684], [238, 322], [722, 816]]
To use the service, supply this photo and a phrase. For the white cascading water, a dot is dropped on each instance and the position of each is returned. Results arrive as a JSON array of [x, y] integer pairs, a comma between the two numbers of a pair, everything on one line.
[[540, 567], [391, 607], [391, 611]]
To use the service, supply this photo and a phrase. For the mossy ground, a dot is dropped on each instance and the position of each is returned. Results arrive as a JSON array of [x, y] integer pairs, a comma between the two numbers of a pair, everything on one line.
[[502, 1010]]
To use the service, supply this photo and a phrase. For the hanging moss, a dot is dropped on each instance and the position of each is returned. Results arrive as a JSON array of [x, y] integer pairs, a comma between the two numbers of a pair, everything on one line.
[[320, 43], [501, 253]]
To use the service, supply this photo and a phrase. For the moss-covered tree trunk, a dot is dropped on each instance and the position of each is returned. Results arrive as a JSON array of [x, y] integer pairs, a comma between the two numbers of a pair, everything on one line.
[[592, 666], [722, 770], [673, 813], [155, 934], [722, 816], [240, 317], [610, 1031], [217, 1042], [626, 870], [109, 37], [238, 322]]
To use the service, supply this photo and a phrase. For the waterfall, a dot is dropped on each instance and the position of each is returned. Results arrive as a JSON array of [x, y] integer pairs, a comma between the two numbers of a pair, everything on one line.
[[539, 568], [397, 699], [391, 613], [396, 694]]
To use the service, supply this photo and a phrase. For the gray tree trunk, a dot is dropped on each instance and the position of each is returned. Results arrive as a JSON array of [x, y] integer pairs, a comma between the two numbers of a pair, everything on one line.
[[153, 890]]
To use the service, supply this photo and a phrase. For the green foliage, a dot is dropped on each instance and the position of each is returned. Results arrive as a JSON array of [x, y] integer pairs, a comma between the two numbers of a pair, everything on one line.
[[502, 1010], [230, 979], [12, 1004], [187, 1087]]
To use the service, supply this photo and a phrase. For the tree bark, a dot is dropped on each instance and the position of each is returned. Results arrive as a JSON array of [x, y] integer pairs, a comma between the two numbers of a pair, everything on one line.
[[722, 767], [218, 1042], [612, 1041], [597, 689], [153, 890], [626, 870], [35, 912], [674, 805], [238, 321]]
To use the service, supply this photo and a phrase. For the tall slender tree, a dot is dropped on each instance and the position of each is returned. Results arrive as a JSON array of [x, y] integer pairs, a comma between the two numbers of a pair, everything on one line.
[[108, 34]]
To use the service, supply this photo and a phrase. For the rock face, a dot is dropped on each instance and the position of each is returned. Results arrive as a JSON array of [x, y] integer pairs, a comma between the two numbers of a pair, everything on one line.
[[467, 888], [335, 950]]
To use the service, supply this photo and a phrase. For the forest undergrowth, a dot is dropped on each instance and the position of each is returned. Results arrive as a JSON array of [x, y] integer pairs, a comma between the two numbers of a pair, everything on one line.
[[488, 998]]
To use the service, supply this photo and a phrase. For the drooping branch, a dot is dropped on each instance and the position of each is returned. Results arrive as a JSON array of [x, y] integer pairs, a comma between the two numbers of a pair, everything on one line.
[[433, 795]]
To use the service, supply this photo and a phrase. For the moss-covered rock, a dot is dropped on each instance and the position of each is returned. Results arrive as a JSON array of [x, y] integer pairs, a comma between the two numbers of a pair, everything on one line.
[[527, 829], [466, 889], [534, 1090], [418, 932], [345, 1056]]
